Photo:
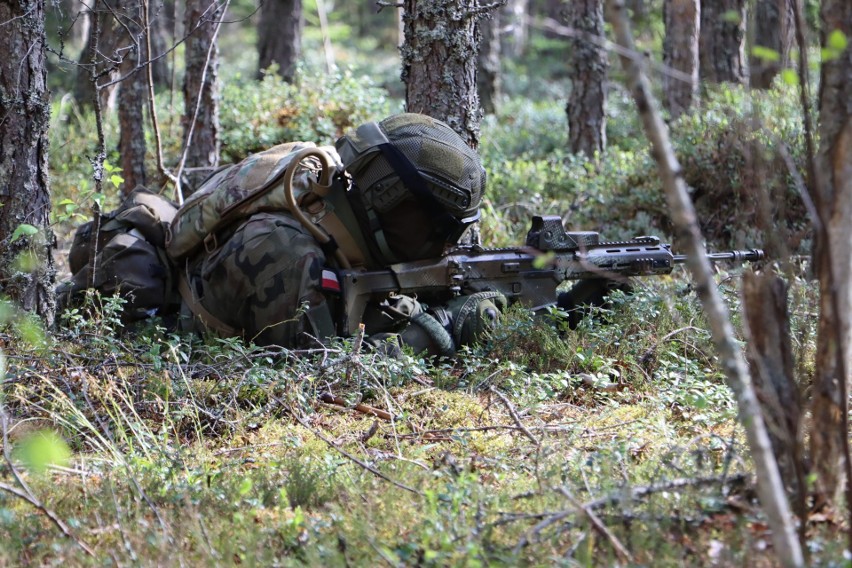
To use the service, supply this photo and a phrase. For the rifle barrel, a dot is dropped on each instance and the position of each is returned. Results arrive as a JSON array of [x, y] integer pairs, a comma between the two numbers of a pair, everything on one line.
[[751, 255]]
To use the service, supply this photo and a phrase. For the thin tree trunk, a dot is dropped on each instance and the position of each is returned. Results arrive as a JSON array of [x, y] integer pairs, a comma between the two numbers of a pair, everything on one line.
[[515, 19], [279, 36], [586, 108], [439, 63], [201, 92], [98, 60], [833, 199], [771, 353], [488, 65], [722, 41], [131, 99], [27, 270], [680, 52], [769, 485], [773, 30]]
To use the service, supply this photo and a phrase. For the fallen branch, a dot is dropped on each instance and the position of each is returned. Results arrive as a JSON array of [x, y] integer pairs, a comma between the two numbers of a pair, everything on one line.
[[329, 398], [598, 526], [650, 351], [514, 415], [588, 508]]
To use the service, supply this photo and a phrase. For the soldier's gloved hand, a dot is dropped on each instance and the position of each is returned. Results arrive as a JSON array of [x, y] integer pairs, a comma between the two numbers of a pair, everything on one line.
[[470, 317], [464, 320], [586, 295]]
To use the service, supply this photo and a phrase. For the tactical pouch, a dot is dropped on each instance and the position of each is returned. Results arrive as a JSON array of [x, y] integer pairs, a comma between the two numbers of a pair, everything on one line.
[[126, 257], [263, 283]]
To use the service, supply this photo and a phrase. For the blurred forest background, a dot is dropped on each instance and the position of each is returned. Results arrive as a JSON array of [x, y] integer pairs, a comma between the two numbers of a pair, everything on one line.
[[615, 443]]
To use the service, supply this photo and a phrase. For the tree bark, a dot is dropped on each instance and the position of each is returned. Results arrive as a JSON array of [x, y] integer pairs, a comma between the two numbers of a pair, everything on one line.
[[201, 92], [158, 16], [98, 61], [722, 41], [515, 19], [586, 108], [439, 57], [773, 29], [131, 98], [279, 36], [833, 200], [638, 11], [488, 64], [680, 52], [27, 270], [769, 486], [771, 353]]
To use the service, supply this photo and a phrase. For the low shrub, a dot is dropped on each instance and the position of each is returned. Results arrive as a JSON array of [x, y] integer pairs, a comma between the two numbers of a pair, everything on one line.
[[731, 150], [317, 107]]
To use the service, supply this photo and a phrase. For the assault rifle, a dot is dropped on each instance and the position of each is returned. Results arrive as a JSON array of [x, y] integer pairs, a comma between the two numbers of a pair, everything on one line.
[[529, 274]]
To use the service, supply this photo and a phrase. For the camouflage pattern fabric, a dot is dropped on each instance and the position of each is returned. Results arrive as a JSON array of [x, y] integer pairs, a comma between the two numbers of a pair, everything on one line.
[[237, 192], [265, 281], [408, 222]]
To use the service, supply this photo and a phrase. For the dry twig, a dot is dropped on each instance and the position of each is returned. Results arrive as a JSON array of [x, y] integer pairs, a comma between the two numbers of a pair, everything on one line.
[[514, 415]]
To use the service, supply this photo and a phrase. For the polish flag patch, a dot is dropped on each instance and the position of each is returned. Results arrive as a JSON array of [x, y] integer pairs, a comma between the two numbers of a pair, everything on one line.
[[330, 282]]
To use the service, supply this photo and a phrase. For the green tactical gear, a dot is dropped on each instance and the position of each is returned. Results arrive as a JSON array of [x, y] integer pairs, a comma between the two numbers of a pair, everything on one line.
[[248, 267], [417, 187], [256, 184], [263, 284], [473, 316], [128, 257]]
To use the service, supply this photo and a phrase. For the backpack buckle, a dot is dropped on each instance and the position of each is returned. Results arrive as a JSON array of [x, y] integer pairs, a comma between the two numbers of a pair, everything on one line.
[[210, 243]]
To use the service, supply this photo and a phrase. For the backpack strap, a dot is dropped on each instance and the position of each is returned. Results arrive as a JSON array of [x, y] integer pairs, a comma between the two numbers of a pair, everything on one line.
[[200, 312], [325, 216]]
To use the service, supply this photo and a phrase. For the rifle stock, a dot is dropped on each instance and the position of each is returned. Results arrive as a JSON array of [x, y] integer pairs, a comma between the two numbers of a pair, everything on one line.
[[528, 274]]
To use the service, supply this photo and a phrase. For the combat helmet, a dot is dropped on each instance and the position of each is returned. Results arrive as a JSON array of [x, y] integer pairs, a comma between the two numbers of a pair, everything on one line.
[[417, 185]]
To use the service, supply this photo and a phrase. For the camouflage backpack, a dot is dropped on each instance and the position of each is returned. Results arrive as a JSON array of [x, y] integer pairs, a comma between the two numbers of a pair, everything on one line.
[[126, 256], [248, 264]]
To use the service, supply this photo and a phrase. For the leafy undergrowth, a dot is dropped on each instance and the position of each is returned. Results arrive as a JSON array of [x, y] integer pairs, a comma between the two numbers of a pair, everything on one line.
[[615, 443]]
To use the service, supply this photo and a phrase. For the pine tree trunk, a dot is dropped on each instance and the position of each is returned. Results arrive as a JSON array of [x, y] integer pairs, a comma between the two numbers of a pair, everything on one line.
[[159, 14], [833, 199], [201, 92], [131, 99], [773, 29], [722, 41], [488, 71], [586, 108], [770, 352], [680, 53], [439, 57], [515, 18], [279, 36], [97, 63], [27, 271]]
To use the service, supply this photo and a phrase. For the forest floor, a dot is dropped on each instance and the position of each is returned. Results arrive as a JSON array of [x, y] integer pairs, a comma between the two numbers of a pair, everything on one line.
[[615, 444]]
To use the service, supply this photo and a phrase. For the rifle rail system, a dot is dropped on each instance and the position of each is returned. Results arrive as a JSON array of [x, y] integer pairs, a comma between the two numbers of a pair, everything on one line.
[[529, 274]]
